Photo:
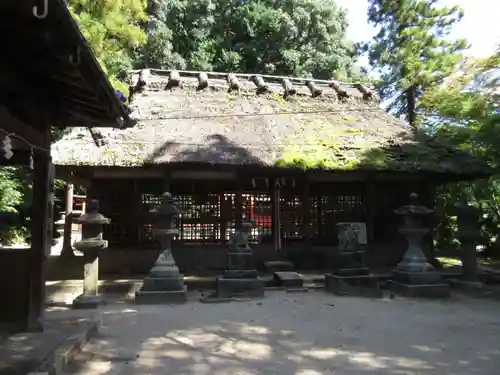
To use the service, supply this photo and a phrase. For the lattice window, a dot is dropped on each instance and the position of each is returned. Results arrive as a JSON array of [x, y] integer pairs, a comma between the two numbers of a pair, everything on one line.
[[334, 209], [291, 217], [119, 230], [256, 207], [314, 217], [148, 202], [200, 218], [199, 221]]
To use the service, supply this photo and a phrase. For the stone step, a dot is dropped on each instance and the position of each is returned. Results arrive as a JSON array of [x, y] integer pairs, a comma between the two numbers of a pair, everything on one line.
[[278, 266], [288, 279]]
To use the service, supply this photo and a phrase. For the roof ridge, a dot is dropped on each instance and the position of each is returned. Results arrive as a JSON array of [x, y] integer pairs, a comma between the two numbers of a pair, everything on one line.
[[270, 77], [139, 79]]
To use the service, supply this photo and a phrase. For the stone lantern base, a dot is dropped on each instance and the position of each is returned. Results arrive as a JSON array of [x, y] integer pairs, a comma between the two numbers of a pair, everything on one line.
[[351, 277], [419, 284], [87, 301], [163, 285]]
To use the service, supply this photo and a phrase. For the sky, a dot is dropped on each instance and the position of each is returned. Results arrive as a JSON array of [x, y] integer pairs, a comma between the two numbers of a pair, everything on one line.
[[480, 24]]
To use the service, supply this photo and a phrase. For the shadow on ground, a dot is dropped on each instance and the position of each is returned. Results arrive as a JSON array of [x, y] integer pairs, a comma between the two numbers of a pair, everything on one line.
[[312, 333]]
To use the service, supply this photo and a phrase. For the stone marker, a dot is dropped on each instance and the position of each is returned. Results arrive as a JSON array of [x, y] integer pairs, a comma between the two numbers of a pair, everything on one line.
[[468, 233], [90, 245], [350, 276], [240, 278], [164, 284], [414, 275]]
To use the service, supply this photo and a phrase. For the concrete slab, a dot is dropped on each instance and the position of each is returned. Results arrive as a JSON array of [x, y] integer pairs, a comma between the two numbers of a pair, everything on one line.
[[48, 351]]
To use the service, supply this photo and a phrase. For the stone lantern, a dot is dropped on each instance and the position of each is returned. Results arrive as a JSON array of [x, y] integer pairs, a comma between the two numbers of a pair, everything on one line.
[[164, 283], [414, 275], [91, 245], [468, 233]]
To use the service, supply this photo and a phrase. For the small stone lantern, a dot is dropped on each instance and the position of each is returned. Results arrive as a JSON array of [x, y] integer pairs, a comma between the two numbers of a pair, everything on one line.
[[468, 233], [164, 283], [414, 275], [91, 245]]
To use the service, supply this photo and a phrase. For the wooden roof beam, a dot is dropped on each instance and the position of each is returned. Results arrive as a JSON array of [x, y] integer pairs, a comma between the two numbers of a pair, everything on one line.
[[11, 124]]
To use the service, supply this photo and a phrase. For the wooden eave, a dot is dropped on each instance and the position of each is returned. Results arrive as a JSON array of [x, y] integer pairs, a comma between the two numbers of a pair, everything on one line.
[[47, 64]]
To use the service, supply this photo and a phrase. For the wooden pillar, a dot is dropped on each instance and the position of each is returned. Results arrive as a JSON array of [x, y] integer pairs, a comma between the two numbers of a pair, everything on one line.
[[238, 206], [224, 217], [91, 193], [167, 182], [306, 213], [66, 247], [276, 217], [40, 236], [137, 211], [370, 209]]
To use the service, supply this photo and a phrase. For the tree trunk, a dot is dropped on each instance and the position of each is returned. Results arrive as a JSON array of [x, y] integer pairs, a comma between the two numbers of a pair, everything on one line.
[[411, 105]]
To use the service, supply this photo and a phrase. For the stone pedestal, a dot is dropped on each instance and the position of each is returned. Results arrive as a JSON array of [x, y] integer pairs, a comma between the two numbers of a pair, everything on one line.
[[414, 275], [164, 284], [90, 298], [240, 279], [350, 277], [90, 245]]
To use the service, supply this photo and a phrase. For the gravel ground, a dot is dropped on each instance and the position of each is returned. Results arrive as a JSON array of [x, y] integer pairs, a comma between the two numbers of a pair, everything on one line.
[[297, 334]]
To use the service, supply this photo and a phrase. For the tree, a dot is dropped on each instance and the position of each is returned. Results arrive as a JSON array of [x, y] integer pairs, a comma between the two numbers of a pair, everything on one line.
[[289, 37], [411, 52], [113, 30], [465, 111]]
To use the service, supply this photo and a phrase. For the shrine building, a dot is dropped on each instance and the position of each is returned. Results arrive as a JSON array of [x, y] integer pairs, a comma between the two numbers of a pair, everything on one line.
[[295, 155]]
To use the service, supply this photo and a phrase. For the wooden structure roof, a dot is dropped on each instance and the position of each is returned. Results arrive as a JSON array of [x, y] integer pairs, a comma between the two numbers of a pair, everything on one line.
[[48, 74], [240, 119]]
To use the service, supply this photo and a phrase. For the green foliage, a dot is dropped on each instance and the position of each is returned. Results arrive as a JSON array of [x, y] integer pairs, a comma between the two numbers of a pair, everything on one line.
[[113, 30], [412, 51], [14, 190], [290, 37], [465, 111], [10, 192]]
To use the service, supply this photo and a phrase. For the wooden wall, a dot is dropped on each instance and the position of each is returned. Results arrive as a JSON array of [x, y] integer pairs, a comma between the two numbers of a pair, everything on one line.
[[303, 221]]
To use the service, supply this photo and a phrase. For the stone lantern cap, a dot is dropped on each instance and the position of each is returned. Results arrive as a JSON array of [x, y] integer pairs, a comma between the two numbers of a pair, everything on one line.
[[92, 216], [167, 206], [413, 209]]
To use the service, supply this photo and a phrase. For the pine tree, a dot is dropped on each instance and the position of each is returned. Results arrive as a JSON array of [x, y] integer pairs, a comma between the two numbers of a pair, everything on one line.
[[412, 51]]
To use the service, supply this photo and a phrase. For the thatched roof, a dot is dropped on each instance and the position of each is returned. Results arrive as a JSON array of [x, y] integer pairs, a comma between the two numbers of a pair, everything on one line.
[[339, 127]]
